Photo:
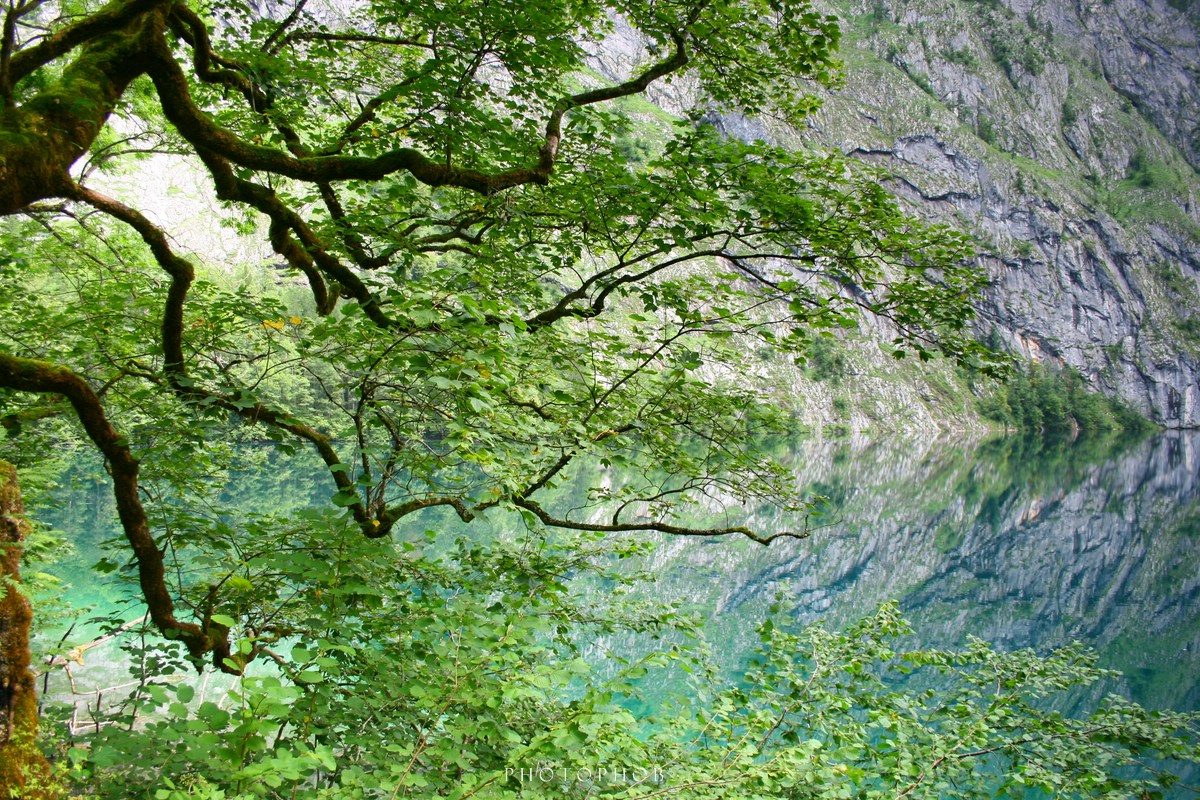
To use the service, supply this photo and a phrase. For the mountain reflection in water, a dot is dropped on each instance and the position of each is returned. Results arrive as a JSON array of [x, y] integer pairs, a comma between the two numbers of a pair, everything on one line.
[[1024, 543], [1020, 542]]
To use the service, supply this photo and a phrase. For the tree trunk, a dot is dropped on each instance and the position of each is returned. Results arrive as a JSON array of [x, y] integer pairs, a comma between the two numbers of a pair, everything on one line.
[[41, 138], [23, 769]]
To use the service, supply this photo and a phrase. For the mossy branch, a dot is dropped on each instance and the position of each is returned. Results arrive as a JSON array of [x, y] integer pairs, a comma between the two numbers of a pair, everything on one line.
[[40, 140], [41, 377], [112, 17]]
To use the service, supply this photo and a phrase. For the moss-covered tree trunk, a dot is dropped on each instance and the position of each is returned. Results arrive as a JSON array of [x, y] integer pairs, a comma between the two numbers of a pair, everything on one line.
[[43, 136], [23, 768]]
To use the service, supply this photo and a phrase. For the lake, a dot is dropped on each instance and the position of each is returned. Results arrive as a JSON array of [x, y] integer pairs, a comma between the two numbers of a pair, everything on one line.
[[1020, 542]]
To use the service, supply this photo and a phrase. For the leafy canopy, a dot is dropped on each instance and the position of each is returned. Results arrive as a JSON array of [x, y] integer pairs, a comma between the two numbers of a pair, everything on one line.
[[499, 283]]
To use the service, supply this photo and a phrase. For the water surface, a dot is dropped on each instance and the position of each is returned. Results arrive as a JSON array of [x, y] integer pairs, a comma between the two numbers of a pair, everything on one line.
[[1020, 542]]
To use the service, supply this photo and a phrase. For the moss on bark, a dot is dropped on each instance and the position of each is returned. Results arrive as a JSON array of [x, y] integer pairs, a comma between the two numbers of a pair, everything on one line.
[[40, 139], [23, 769]]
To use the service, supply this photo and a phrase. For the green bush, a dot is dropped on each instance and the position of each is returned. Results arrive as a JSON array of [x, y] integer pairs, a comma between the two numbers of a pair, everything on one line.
[[825, 359], [1010, 48], [924, 84], [406, 679], [1042, 399], [1070, 114], [963, 57], [986, 130]]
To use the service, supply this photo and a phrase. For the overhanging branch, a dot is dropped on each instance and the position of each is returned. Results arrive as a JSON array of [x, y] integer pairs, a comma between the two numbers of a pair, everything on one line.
[[549, 519], [111, 17], [27, 375]]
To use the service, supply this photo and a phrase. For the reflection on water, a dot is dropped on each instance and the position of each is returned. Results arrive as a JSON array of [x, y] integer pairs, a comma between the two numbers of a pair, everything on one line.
[[1020, 543], [1017, 542]]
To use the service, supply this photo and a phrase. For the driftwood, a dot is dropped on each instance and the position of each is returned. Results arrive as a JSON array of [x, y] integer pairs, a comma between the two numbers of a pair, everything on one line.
[[75, 654]]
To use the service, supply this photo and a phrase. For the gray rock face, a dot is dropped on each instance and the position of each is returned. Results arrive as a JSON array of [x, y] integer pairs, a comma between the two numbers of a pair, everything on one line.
[[1101, 274], [1069, 286], [1066, 137], [1148, 52]]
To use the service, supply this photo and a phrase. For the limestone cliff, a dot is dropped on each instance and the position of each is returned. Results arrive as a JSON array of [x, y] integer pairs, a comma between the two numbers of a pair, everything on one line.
[[1066, 136]]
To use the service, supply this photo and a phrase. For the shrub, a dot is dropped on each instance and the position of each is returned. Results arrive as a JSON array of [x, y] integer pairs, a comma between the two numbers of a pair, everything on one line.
[[1040, 398]]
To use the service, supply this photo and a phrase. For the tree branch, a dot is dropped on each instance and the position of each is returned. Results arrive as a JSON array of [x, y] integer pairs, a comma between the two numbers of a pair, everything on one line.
[[198, 129], [49, 132], [661, 527], [289, 21], [180, 269], [27, 375], [111, 17]]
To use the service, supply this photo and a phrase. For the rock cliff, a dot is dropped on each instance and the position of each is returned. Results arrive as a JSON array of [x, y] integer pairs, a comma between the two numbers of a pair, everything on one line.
[[1066, 137]]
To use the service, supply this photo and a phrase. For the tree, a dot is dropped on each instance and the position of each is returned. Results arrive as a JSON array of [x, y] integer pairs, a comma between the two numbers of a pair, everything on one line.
[[21, 763], [502, 279], [496, 289]]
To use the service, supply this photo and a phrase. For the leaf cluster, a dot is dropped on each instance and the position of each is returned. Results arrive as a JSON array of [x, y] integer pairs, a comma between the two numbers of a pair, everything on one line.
[[395, 671]]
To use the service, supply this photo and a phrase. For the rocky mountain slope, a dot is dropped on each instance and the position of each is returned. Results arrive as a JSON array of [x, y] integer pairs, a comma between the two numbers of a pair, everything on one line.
[[1066, 136]]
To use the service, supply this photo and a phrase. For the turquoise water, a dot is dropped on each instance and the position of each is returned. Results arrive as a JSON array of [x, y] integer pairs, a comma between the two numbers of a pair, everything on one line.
[[1023, 543]]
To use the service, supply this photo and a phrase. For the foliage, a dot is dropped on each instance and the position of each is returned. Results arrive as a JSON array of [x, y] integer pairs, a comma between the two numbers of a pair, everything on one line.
[[825, 359], [963, 57], [482, 281], [1070, 112], [1041, 399], [1147, 173], [499, 282], [461, 677], [923, 83], [395, 668], [1014, 43], [986, 129]]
